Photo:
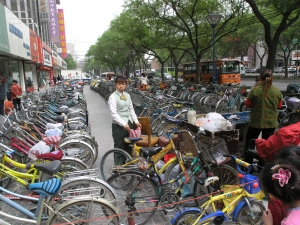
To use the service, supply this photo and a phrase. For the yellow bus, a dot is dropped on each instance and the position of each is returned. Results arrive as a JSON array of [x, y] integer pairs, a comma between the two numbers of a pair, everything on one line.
[[227, 71]]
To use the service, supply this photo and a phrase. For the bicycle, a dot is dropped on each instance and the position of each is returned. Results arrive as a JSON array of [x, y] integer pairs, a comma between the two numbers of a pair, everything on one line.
[[238, 203], [86, 209], [110, 164], [140, 194]]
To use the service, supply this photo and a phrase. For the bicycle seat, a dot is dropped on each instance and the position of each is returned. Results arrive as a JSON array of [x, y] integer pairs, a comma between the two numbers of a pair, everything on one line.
[[129, 140], [46, 188], [50, 167], [55, 155], [59, 119], [185, 103], [150, 151]]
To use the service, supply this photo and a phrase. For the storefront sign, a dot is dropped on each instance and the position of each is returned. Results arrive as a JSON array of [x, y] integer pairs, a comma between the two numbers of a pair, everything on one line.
[[34, 46], [18, 36], [4, 44], [47, 58], [53, 26], [64, 64], [54, 58], [62, 33], [40, 50], [296, 55]]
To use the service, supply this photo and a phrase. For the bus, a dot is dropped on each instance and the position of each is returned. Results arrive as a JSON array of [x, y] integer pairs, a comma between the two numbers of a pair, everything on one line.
[[227, 71], [171, 70]]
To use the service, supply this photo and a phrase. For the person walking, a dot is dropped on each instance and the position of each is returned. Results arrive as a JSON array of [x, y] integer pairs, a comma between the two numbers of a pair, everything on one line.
[[2, 93], [264, 99], [16, 94], [54, 80], [123, 115]]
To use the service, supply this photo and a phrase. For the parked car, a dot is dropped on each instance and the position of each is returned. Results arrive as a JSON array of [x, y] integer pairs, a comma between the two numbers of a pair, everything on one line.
[[248, 70], [254, 70], [278, 70], [292, 69], [167, 77]]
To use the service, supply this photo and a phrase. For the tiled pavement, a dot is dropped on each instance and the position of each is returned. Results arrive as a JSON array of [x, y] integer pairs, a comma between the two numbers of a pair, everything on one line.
[[100, 121]]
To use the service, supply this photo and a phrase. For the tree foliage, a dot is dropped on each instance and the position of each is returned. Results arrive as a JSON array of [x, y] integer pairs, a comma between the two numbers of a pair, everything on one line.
[[71, 64]]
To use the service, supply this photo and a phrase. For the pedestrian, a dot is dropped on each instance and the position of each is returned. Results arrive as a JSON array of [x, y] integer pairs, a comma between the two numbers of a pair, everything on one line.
[[280, 180], [54, 80], [122, 113], [144, 79], [264, 99], [16, 94], [58, 78], [2, 93], [8, 106]]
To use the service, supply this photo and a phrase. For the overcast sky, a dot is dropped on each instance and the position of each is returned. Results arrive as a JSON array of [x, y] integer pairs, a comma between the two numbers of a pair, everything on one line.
[[87, 20]]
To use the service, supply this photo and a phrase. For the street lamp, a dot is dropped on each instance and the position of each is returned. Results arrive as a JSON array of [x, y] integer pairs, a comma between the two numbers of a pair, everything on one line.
[[213, 20]]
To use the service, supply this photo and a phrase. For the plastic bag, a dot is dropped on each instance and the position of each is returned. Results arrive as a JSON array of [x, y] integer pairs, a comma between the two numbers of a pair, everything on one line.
[[37, 149], [55, 125], [53, 132], [135, 133], [213, 122]]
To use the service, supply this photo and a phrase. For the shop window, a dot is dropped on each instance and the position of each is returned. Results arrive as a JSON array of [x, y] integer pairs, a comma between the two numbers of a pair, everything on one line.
[[14, 6], [15, 71]]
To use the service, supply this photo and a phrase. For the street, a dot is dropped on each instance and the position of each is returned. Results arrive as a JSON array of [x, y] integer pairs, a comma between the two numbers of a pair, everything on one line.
[[281, 84]]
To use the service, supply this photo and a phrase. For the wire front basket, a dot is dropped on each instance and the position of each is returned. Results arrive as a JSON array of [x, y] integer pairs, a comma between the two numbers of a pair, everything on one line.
[[213, 149]]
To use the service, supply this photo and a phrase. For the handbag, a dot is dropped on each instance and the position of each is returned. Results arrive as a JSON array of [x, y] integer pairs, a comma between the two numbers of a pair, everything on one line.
[[137, 133]]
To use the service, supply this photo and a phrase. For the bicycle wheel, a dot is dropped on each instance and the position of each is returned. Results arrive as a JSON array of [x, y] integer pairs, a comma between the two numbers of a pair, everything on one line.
[[226, 174], [243, 107], [136, 193], [253, 216], [111, 158], [155, 124], [222, 106], [85, 211], [79, 149], [187, 218], [210, 103], [160, 129], [68, 164]]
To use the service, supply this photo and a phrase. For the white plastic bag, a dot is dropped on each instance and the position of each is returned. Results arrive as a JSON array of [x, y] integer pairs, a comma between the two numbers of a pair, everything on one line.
[[55, 125], [214, 122], [53, 132], [37, 149]]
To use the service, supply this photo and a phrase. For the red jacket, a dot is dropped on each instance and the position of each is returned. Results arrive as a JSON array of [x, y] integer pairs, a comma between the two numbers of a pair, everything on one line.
[[15, 90]]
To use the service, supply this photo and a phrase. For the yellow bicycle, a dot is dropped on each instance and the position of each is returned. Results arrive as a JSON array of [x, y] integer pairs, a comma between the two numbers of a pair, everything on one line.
[[238, 203], [118, 160]]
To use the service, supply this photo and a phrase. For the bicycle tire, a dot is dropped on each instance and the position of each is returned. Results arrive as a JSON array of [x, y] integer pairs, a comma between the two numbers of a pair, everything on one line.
[[289, 119], [92, 210], [108, 160], [79, 149], [5, 181], [187, 218], [226, 174], [155, 124], [68, 164], [144, 200], [243, 107], [209, 103], [245, 216], [160, 129], [221, 106]]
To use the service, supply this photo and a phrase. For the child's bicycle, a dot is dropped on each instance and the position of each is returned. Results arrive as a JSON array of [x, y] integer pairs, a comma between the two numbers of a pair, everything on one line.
[[237, 203]]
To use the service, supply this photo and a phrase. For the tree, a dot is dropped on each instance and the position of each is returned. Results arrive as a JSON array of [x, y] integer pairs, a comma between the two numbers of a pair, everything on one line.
[[71, 64], [288, 12]]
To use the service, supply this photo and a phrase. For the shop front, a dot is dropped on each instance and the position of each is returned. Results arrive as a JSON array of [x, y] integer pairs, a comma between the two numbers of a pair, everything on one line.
[[14, 47], [58, 64], [45, 69]]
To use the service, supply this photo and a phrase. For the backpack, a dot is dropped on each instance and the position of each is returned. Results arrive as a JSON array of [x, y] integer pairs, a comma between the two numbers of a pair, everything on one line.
[[286, 136]]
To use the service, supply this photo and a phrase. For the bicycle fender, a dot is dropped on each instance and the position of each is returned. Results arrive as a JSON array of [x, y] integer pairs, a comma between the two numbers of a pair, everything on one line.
[[238, 208], [176, 215]]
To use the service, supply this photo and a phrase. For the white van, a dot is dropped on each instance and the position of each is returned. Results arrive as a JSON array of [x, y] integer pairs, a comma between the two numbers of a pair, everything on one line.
[[105, 76]]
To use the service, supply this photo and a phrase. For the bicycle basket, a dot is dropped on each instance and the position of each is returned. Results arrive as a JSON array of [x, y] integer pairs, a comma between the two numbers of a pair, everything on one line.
[[213, 149]]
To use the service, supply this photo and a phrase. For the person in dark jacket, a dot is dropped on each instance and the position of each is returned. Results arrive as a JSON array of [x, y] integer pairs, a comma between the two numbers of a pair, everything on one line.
[[2, 93]]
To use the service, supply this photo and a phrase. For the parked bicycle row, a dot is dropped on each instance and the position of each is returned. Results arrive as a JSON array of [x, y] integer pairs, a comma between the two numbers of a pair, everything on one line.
[[48, 149]]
